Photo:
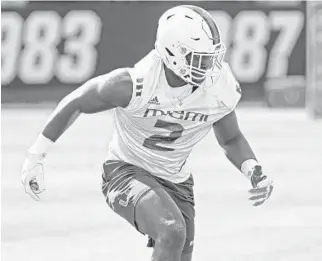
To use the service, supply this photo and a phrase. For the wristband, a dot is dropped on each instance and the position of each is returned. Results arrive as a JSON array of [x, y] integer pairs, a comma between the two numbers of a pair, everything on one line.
[[41, 146], [247, 167]]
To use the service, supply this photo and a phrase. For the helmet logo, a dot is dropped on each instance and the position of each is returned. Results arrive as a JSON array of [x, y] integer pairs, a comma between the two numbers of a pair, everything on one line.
[[214, 40], [183, 50]]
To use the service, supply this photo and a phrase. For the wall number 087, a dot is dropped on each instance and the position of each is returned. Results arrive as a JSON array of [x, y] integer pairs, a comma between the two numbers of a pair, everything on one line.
[[249, 56]]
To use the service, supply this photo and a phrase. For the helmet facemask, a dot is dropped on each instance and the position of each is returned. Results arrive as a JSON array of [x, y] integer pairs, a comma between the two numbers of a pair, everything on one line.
[[200, 64], [193, 67]]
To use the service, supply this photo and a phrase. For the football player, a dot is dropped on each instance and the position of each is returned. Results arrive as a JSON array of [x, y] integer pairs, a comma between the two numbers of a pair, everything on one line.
[[163, 106]]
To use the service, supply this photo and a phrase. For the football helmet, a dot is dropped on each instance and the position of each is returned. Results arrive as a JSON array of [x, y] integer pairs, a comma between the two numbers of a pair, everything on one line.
[[190, 44]]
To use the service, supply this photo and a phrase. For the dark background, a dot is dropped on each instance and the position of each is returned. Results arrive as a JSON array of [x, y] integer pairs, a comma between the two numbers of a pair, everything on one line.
[[127, 33]]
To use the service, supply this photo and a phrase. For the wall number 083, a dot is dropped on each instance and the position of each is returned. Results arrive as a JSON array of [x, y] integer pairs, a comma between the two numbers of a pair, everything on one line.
[[39, 35]]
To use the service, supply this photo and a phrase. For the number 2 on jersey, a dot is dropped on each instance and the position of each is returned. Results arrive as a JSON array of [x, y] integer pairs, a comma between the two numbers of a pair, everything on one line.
[[176, 132]]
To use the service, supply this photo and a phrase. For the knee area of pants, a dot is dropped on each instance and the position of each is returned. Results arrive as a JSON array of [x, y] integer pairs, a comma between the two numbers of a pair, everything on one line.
[[174, 232]]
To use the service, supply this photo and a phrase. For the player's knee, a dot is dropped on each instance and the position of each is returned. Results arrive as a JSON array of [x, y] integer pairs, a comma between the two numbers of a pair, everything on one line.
[[173, 234]]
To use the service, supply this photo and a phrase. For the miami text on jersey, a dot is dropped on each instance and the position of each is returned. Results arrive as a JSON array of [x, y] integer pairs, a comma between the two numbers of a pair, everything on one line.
[[180, 115]]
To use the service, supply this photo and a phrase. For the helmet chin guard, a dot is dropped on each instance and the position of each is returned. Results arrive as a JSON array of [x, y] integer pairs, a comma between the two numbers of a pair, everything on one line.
[[193, 51]]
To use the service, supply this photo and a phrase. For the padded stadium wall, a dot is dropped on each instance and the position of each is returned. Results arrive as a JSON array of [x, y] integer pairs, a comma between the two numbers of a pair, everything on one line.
[[51, 48]]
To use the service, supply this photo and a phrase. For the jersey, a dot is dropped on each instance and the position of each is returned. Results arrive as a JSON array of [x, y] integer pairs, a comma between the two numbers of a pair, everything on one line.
[[161, 125]]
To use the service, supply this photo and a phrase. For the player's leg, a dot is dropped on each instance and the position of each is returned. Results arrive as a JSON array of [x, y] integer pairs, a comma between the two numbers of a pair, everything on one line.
[[182, 194], [157, 215], [186, 257], [136, 196], [190, 233]]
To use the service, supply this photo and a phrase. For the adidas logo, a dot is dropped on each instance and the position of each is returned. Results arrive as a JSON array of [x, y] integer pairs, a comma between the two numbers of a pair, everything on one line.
[[154, 101]]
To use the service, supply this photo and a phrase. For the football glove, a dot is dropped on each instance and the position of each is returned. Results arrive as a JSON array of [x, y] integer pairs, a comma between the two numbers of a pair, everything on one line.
[[32, 175], [262, 186]]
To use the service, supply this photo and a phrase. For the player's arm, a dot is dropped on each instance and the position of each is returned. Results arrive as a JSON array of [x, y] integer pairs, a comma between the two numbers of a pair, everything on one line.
[[102, 93], [98, 94], [232, 140], [241, 155]]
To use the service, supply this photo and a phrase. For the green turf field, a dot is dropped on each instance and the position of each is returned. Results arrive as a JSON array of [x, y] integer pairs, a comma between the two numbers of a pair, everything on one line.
[[73, 222]]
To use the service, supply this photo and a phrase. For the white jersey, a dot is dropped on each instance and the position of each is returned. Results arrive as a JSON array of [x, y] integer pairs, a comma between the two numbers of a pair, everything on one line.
[[160, 126]]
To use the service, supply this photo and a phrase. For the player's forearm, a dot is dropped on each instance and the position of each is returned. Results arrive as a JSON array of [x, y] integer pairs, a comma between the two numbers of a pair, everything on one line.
[[238, 150], [99, 94], [62, 118], [84, 99]]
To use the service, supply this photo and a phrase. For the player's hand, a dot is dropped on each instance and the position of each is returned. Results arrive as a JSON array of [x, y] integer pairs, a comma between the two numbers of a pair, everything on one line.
[[262, 186], [32, 175]]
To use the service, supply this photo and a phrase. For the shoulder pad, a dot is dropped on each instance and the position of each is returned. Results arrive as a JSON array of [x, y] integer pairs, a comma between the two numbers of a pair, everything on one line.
[[145, 75], [226, 87], [143, 70]]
